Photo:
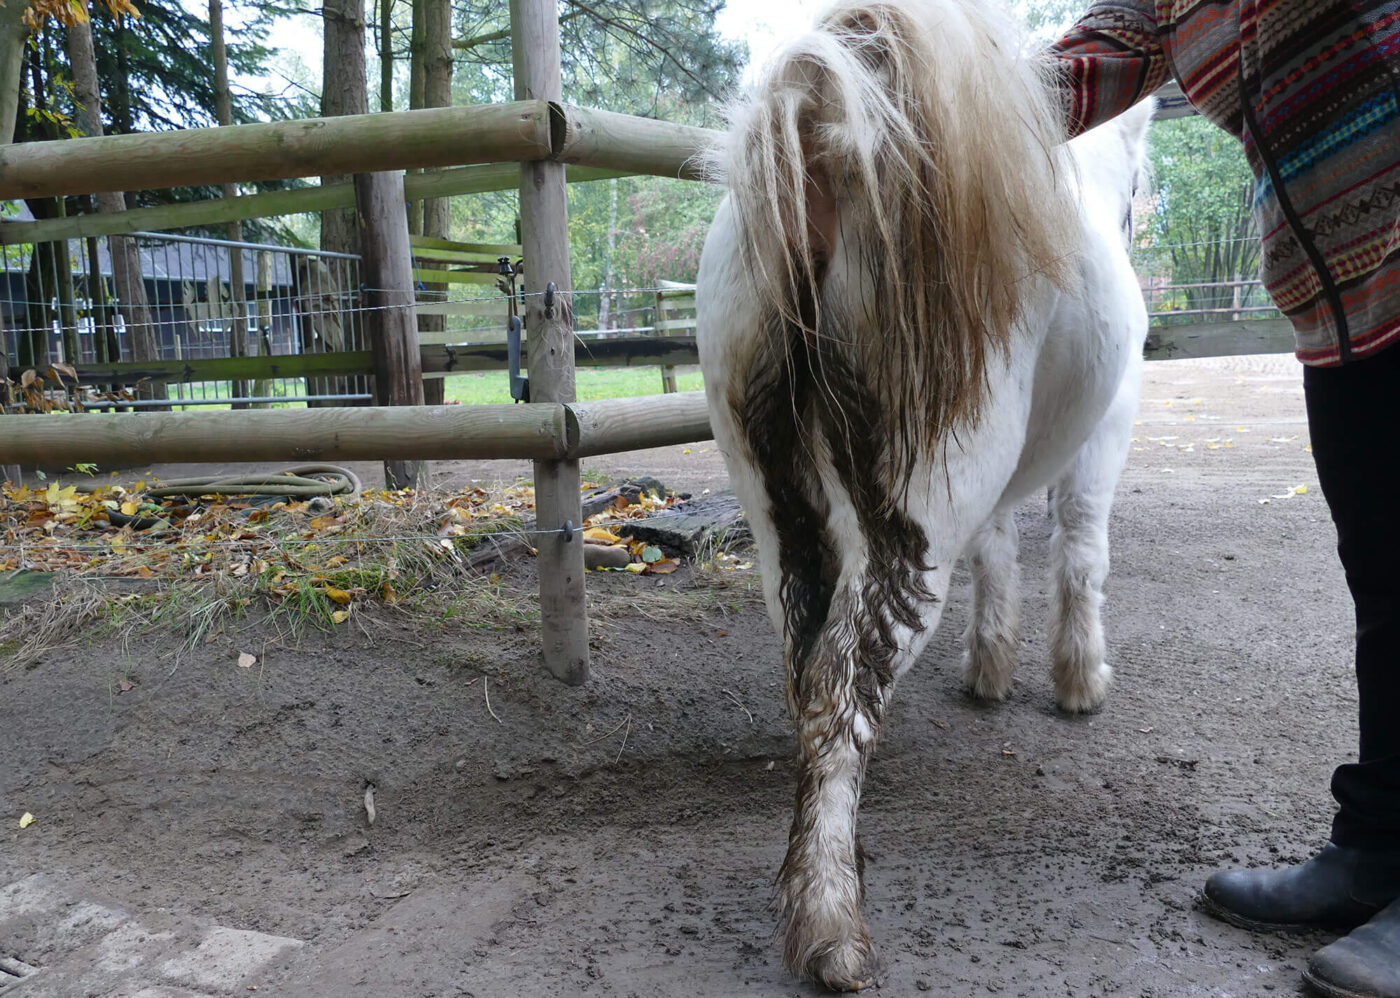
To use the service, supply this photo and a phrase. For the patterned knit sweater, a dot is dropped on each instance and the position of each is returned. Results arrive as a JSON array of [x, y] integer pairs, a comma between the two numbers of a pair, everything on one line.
[[1310, 87]]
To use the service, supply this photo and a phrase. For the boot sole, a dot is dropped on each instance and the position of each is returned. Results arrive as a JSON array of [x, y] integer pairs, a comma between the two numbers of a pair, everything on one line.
[[1330, 990], [1220, 912]]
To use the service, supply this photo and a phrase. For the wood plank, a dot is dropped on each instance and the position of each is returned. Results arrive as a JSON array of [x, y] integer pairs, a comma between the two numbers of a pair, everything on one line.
[[486, 249], [428, 276], [417, 186], [1219, 339]]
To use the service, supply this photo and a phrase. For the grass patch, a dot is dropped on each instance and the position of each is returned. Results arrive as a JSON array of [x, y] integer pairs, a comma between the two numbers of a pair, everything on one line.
[[593, 383]]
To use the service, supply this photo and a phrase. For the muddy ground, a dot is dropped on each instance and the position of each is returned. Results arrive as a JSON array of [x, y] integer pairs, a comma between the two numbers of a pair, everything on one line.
[[620, 839]]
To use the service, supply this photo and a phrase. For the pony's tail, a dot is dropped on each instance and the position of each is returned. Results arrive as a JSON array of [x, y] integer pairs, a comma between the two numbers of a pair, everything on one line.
[[916, 138]]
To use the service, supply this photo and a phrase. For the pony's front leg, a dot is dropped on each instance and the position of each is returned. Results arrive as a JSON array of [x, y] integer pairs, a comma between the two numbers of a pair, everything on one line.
[[838, 699], [992, 642]]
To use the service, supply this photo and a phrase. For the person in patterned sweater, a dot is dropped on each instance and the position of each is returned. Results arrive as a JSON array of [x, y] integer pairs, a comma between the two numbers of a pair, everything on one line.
[[1310, 88]]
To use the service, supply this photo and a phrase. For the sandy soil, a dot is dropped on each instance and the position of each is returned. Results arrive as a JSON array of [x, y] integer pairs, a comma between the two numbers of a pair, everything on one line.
[[620, 839]]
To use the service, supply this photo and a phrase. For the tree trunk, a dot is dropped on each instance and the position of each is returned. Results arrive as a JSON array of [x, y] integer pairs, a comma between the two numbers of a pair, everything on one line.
[[437, 92], [223, 109], [13, 35], [344, 90], [386, 55], [127, 280]]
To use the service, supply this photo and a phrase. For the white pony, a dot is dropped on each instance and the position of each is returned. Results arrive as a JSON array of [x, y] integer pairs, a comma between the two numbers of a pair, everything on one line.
[[914, 310]]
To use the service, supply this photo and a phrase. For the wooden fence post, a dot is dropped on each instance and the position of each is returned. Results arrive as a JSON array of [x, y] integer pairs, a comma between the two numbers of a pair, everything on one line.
[[387, 272], [549, 321]]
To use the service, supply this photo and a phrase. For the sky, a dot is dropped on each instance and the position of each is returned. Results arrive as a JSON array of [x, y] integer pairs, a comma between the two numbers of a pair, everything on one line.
[[764, 24]]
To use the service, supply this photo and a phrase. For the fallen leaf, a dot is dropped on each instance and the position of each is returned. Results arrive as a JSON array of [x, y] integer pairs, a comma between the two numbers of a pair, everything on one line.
[[26, 819], [125, 686], [663, 567], [637, 567], [597, 535], [340, 616], [651, 553], [245, 660], [339, 595]]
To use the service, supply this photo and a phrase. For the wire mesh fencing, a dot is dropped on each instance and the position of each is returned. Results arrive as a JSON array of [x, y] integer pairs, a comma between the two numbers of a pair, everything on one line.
[[159, 297]]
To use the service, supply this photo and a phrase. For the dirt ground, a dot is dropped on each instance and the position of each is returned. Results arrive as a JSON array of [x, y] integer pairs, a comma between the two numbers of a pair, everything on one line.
[[205, 833]]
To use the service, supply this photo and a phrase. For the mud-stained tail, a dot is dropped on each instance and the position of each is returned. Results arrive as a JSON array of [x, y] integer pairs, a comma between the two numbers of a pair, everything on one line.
[[915, 134]]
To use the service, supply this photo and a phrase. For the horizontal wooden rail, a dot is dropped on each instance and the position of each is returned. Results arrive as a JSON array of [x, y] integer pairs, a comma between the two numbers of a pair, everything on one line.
[[615, 425], [639, 351], [608, 140], [417, 187], [415, 433], [424, 433], [361, 143]]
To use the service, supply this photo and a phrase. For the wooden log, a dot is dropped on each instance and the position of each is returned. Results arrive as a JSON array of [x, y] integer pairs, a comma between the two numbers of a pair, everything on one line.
[[544, 218], [616, 425], [304, 200], [366, 433], [386, 269], [609, 140], [1219, 339], [447, 136]]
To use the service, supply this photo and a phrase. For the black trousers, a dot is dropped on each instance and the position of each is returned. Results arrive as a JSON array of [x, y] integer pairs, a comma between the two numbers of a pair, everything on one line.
[[1353, 419]]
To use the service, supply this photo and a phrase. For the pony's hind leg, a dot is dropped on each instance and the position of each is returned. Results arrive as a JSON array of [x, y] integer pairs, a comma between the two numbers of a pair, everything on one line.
[[838, 701], [993, 637], [875, 626], [1079, 560]]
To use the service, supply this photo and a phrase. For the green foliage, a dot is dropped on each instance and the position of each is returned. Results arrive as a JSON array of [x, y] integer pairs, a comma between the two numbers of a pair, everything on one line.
[[661, 58], [1203, 230]]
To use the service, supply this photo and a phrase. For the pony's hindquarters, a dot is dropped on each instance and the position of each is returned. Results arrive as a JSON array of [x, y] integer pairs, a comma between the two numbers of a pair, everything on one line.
[[894, 212]]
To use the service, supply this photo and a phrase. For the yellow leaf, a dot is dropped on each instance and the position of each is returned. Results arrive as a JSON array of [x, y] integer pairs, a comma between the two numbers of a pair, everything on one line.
[[322, 522], [129, 508], [1301, 490], [339, 595], [246, 661], [340, 616], [26, 820], [637, 566], [601, 536]]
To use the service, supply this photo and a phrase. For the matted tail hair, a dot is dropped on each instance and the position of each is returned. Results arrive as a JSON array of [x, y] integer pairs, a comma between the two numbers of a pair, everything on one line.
[[937, 136]]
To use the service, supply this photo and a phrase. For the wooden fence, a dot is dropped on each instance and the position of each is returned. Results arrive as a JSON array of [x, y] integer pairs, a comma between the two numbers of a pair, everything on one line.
[[545, 139]]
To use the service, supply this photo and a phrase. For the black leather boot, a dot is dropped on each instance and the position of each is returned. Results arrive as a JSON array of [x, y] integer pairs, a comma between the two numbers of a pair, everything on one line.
[[1365, 964], [1339, 888]]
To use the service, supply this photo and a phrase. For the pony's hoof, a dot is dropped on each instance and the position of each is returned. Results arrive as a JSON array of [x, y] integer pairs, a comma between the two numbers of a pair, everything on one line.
[[1085, 692], [987, 677], [849, 965]]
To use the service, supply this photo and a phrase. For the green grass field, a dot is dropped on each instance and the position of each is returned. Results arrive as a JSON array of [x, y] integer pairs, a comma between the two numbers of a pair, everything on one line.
[[593, 383]]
